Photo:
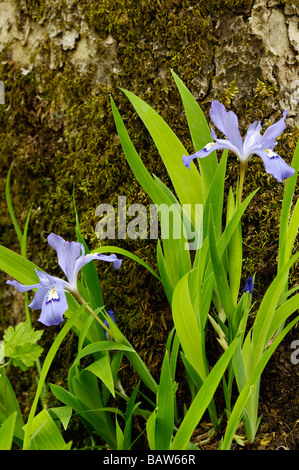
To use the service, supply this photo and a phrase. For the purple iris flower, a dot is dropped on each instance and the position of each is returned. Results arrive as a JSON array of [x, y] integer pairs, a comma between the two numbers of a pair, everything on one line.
[[253, 144], [50, 295]]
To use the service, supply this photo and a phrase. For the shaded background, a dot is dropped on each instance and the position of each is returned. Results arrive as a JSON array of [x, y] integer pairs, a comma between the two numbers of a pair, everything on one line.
[[61, 60]]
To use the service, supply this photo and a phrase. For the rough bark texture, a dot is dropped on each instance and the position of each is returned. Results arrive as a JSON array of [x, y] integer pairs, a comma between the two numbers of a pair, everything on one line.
[[60, 60]]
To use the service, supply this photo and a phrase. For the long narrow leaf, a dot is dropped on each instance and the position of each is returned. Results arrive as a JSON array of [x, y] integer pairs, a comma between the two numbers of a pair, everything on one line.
[[187, 327], [128, 254], [240, 404], [46, 366], [289, 189], [134, 358], [200, 132], [187, 183], [17, 266], [7, 432], [10, 208], [202, 400], [45, 434], [138, 168], [215, 198], [220, 274], [165, 408], [266, 311]]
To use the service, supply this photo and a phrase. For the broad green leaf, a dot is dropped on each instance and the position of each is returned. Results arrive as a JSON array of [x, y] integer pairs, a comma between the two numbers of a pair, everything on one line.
[[286, 218], [215, 199], [165, 408], [187, 327], [242, 399], [150, 430], [84, 331], [267, 309], [200, 132], [102, 369], [18, 267], [202, 400], [7, 432], [165, 277], [45, 434], [137, 363], [46, 366], [94, 416], [64, 414], [86, 389], [138, 168], [101, 346], [119, 435], [10, 405], [224, 291], [282, 314], [187, 183], [233, 224]]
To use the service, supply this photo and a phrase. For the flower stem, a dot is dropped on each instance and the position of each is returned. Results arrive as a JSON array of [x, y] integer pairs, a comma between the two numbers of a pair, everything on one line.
[[243, 167], [82, 301]]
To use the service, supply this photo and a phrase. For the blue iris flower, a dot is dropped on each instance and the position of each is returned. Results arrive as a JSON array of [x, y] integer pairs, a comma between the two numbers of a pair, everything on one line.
[[111, 315], [50, 296], [253, 144], [249, 286]]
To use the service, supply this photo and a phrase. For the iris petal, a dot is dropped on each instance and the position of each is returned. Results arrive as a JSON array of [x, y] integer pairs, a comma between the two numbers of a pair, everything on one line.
[[67, 253], [252, 137], [53, 308], [22, 287], [227, 122], [220, 144], [272, 132], [275, 165], [83, 260], [38, 299], [46, 280]]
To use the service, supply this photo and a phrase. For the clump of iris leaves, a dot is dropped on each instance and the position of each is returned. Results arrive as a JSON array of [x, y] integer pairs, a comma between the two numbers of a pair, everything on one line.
[[202, 285]]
